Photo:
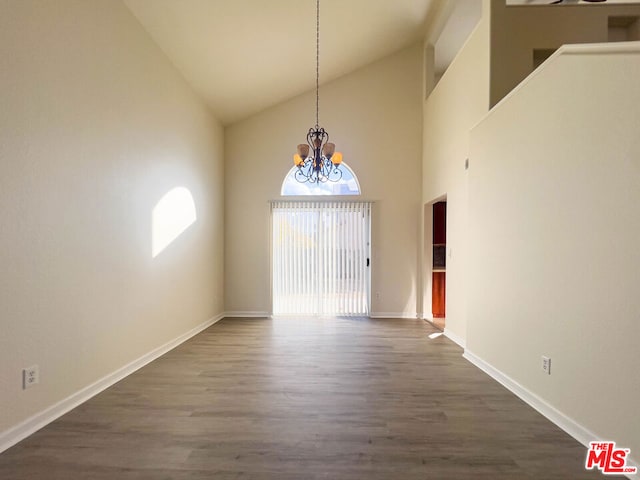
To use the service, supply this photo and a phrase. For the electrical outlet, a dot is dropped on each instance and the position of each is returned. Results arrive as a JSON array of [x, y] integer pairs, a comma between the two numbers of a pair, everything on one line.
[[377, 295], [30, 376], [546, 365]]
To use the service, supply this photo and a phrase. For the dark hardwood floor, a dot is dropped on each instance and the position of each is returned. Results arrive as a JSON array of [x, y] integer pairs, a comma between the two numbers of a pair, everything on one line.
[[303, 399]]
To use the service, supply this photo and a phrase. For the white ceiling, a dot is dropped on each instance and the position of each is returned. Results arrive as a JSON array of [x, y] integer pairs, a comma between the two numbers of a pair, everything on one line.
[[243, 56]]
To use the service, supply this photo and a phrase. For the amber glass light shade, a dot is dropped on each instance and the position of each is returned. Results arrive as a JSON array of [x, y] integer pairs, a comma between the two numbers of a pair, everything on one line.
[[336, 158], [303, 150], [298, 160], [328, 150]]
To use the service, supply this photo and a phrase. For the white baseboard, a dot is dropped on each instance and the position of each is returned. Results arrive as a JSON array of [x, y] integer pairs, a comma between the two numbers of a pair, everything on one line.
[[13, 435], [573, 428], [392, 315], [247, 314], [251, 314], [455, 338]]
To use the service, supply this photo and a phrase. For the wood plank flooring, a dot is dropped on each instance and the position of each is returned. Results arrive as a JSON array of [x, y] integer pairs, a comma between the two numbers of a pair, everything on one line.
[[303, 399]]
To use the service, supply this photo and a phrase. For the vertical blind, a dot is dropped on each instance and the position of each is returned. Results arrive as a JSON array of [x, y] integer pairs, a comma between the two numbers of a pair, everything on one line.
[[320, 253]]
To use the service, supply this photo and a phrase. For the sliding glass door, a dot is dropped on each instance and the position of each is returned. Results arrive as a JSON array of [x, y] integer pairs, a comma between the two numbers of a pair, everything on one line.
[[320, 258]]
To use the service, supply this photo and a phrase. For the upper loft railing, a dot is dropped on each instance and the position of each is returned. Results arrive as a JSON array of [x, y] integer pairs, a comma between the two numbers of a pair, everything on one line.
[[615, 48]]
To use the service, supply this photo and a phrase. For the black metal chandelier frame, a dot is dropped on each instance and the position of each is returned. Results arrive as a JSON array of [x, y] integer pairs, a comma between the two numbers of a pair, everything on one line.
[[317, 167]]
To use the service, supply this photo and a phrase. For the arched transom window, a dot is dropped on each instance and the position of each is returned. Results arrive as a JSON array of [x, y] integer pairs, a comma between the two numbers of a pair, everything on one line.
[[347, 185]]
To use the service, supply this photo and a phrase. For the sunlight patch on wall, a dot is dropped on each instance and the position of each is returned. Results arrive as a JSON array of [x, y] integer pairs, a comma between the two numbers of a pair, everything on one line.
[[171, 216]]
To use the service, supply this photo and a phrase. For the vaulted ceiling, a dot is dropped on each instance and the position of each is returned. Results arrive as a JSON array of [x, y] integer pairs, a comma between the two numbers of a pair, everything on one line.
[[243, 56]]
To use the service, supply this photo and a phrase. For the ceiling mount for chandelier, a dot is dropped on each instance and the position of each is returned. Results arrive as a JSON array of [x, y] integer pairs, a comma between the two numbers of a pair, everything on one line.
[[317, 160]]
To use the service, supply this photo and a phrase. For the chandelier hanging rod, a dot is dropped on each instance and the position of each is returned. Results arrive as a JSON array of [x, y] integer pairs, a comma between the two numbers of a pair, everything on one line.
[[317, 62], [317, 160]]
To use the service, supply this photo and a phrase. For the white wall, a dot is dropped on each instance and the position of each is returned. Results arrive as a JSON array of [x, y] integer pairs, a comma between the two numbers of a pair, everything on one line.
[[374, 117], [554, 189], [95, 127], [458, 102]]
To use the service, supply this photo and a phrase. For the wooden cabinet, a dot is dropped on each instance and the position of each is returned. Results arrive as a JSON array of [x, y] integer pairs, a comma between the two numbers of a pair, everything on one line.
[[440, 223], [438, 294], [439, 276]]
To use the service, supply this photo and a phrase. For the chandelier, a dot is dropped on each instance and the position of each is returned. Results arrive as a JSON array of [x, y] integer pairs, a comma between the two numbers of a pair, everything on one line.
[[317, 160]]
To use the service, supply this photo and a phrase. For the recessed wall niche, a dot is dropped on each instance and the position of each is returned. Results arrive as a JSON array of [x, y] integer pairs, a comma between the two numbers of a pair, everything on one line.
[[624, 29]]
